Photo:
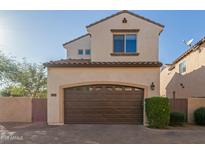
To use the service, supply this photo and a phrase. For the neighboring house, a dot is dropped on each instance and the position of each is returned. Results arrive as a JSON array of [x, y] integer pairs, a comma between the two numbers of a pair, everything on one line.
[[185, 77], [107, 73]]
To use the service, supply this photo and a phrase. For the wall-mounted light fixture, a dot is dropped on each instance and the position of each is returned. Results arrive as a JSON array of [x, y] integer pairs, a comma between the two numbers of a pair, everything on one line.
[[53, 95], [152, 86]]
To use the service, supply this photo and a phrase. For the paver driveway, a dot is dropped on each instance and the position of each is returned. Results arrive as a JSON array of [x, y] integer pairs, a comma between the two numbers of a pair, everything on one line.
[[42, 133]]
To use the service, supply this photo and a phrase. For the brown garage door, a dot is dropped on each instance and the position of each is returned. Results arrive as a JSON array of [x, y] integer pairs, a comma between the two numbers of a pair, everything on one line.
[[105, 104]]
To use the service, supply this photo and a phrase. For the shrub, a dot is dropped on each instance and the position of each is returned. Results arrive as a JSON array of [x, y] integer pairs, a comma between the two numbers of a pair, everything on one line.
[[158, 112], [199, 116], [177, 118]]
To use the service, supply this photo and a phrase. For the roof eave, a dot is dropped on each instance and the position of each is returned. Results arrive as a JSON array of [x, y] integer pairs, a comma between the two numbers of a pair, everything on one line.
[[193, 48], [102, 65], [73, 40], [125, 11]]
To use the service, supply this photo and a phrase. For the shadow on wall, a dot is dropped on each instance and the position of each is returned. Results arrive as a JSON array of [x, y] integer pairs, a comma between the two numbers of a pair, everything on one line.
[[188, 85]]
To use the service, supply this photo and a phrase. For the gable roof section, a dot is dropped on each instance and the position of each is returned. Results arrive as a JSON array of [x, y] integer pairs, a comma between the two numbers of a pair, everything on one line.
[[125, 11], [76, 39], [194, 47], [118, 13], [89, 63], [190, 50]]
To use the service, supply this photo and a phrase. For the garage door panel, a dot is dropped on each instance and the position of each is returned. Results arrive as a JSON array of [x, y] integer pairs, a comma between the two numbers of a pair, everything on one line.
[[101, 119], [103, 104], [108, 94], [105, 112], [108, 107], [102, 96], [105, 121], [103, 100]]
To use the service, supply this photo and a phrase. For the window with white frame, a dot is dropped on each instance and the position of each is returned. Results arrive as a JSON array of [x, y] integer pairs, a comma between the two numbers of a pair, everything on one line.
[[125, 43], [182, 67]]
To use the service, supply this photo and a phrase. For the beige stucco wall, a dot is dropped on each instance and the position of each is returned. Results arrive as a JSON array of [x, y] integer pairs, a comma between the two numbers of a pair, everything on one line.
[[15, 109], [102, 39], [193, 104], [73, 47], [192, 79], [59, 78]]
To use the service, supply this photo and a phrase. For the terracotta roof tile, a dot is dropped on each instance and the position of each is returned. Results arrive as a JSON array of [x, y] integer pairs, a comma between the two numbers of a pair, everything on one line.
[[89, 63]]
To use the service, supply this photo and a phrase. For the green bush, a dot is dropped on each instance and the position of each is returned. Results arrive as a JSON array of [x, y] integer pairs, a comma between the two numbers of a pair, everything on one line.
[[158, 112], [177, 118], [199, 116]]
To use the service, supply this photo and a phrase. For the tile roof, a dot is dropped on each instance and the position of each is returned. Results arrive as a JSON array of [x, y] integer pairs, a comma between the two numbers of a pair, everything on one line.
[[89, 63]]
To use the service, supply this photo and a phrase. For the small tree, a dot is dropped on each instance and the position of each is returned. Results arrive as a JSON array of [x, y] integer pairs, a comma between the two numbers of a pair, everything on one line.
[[8, 70], [32, 78], [22, 79]]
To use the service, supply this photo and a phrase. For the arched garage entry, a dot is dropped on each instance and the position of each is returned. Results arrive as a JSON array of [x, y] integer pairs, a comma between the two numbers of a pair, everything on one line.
[[103, 104]]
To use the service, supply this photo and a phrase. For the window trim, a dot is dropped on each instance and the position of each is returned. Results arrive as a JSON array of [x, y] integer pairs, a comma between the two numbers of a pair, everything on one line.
[[124, 53]]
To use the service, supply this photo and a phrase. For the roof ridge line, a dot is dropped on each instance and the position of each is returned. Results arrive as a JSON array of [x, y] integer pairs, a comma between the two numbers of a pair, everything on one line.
[[77, 38], [125, 11], [197, 44]]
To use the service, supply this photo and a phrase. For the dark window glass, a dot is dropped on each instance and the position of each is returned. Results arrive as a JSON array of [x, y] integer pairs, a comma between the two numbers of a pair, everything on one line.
[[131, 43], [80, 52], [87, 51], [118, 43]]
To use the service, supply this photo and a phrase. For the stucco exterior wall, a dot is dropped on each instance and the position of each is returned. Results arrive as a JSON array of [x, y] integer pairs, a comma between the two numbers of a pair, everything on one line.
[[59, 78], [73, 47], [192, 79], [102, 39], [193, 104], [165, 78], [15, 109]]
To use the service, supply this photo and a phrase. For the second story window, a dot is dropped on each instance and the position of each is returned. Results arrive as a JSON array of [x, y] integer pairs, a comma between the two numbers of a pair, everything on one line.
[[80, 52], [87, 52], [182, 67], [125, 43], [119, 43], [131, 43]]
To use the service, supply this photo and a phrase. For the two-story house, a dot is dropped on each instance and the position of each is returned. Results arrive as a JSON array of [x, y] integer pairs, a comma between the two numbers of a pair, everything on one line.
[[108, 72], [185, 77]]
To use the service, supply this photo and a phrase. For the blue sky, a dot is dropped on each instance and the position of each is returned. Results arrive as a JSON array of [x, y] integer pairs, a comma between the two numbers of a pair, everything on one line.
[[38, 35]]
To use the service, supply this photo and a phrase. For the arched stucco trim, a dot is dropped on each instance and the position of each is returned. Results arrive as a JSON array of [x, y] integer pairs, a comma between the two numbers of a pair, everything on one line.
[[62, 87], [103, 82]]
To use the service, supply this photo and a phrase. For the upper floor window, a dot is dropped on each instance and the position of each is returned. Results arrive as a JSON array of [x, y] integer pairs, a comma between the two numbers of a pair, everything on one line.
[[80, 52], [182, 67], [87, 52], [125, 43]]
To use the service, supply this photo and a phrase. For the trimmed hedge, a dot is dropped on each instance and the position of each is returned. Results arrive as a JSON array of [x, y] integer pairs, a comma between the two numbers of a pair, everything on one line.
[[177, 118], [158, 111], [199, 116]]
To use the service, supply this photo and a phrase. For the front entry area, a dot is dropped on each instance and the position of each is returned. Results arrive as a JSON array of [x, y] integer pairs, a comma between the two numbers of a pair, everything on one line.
[[103, 104]]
